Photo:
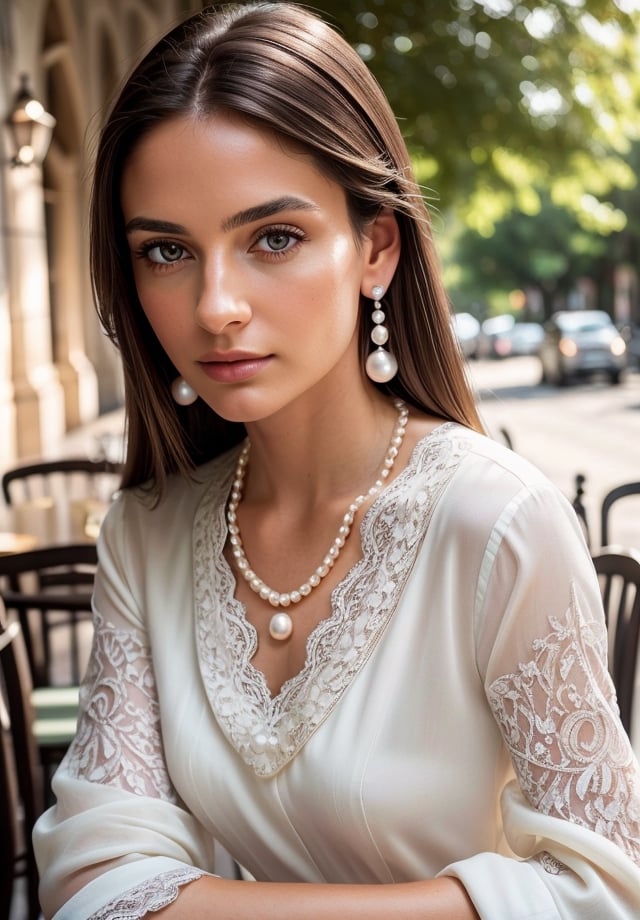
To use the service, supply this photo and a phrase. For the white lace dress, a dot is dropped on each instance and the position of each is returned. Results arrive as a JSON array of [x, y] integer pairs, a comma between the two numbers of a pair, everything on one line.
[[454, 715]]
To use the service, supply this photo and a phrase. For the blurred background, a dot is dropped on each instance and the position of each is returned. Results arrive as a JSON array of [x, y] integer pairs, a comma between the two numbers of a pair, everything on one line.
[[523, 123]]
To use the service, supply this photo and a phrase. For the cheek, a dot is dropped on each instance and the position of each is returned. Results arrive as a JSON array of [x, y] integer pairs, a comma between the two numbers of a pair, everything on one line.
[[163, 308], [333, 281], [168, 325]]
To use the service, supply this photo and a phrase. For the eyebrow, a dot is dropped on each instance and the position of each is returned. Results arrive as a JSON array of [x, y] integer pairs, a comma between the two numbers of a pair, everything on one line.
[[154, 226], [267, 209], [248, 216]]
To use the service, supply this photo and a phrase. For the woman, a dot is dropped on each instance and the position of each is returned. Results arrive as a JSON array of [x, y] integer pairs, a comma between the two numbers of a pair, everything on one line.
[[416, 722]]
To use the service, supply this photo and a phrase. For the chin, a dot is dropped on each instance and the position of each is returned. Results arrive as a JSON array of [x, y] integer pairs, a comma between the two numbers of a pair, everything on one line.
[[238, 410]]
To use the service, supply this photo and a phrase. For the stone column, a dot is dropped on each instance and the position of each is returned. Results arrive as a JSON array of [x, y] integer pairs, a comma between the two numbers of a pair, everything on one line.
[[75, 370], [7, 407], [39, 398]]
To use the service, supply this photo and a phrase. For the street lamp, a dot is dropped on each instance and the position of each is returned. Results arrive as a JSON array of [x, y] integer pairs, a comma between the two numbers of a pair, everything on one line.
[[29, 128]]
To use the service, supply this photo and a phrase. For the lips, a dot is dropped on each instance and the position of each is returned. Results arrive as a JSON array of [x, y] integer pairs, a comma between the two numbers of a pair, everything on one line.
[[233, 367]]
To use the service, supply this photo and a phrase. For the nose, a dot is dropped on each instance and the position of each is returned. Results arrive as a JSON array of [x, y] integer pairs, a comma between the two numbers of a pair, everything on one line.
[[222, 300]]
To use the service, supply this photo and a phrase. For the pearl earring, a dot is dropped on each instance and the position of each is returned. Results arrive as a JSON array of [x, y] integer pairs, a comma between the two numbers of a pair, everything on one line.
[[182, 393], [381, 365]]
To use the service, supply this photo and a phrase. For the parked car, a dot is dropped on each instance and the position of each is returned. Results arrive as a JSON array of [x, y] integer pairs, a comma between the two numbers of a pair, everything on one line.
[[523, 339], [631, 334], [493, 333], [581, 343], [509, 340], [466, 329]]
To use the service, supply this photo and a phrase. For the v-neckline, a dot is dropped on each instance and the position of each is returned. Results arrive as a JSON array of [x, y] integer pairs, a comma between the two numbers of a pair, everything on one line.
[[268, 730]]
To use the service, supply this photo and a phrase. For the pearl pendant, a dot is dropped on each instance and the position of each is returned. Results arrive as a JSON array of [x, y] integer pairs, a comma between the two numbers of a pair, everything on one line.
[[381, 366], [182, 393], [280, 626]]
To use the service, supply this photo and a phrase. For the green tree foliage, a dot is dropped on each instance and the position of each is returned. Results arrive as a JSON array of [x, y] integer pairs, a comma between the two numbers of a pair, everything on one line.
[[546, 252], [501, 98]]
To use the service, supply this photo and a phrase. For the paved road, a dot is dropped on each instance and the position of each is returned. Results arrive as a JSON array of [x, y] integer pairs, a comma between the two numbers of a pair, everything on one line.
[[591, 428]]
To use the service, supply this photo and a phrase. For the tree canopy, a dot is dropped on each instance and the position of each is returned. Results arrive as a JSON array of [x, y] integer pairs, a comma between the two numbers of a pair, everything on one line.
[[501, 98]]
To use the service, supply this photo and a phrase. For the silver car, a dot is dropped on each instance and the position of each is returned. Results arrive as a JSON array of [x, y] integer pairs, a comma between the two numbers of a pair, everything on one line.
[[581, 343]]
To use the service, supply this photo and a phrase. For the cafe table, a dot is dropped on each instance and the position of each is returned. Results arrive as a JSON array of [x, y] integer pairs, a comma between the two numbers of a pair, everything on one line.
[[48, 522]]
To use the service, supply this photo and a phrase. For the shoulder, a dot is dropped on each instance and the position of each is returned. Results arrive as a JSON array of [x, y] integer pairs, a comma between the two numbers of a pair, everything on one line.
[[481, 482], [465, 451], [139, 514]]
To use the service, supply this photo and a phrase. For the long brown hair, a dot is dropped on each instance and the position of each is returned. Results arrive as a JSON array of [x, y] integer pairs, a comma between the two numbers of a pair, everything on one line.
[[281, 66]]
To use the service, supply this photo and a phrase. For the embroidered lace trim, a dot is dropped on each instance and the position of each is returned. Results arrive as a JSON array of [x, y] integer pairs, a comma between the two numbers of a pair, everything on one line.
[[118, 740], [550, 864], [557, 716], [268, 731], [150, 896]]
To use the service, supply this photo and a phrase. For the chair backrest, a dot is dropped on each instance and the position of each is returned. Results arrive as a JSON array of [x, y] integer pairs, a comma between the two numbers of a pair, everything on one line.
[[68, 477], [21, 799], [50, 590], [9, 822], [621, 491], [579, 508], [618, 570]]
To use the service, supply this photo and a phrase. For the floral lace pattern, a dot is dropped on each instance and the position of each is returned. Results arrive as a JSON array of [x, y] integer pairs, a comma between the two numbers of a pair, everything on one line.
[[268, 731], [152, 895], [550, 864], [118, 740], [572, 757]]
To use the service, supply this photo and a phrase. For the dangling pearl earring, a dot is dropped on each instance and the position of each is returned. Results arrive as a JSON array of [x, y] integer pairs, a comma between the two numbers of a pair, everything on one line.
[[183, 394], [381, 365]]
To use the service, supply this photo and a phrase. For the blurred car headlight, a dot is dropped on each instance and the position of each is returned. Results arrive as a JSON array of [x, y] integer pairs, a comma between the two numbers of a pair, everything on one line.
[[618, 346], [502, 347], [567, 348]]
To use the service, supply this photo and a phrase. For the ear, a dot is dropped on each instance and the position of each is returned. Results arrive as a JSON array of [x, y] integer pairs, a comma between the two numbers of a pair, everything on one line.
[[381, 251]]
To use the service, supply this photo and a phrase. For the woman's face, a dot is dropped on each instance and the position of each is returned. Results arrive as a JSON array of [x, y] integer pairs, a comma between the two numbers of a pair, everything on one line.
[[246, 264]]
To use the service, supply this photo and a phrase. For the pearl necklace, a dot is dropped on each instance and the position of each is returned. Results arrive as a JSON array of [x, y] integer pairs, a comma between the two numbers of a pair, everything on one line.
[[281, 625]]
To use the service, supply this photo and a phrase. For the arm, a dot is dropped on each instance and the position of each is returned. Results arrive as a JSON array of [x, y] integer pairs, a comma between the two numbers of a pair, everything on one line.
[[437, 899], [574, 813], [118, 822]]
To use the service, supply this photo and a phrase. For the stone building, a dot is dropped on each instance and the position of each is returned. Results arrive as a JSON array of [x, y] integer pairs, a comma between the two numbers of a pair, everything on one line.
[[57, 370]]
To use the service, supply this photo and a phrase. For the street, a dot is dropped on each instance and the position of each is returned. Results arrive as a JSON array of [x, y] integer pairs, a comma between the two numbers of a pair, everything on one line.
[[591, 428]]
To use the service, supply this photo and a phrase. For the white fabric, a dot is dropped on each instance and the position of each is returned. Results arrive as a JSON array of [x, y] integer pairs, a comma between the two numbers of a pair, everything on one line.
[[157, 877], [455, 715]]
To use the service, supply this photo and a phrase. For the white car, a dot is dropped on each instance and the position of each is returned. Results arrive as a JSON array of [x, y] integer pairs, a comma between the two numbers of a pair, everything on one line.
[[466, 328]]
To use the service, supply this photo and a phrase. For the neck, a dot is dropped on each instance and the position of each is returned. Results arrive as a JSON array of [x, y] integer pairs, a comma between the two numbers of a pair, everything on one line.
[[281, 625], [310, 454]]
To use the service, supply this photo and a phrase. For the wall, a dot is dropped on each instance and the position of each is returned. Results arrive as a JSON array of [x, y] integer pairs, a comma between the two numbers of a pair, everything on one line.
[[57, 370]]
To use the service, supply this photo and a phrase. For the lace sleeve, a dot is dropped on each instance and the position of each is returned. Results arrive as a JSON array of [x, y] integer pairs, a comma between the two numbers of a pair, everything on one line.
[[149, 897], [558, 717], [119, 841], [118, 740], [547, 679]]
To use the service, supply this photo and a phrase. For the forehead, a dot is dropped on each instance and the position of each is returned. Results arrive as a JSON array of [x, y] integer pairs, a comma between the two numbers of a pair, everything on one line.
[[222, 160]]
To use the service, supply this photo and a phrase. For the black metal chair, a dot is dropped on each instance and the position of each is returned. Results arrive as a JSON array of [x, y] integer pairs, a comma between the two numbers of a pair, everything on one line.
[[618, 571], [614, 495], [21, 799], [65, 477], [50, 589], [579, 508]]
